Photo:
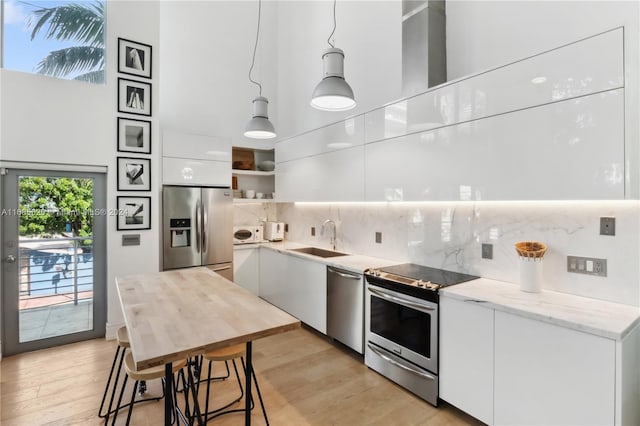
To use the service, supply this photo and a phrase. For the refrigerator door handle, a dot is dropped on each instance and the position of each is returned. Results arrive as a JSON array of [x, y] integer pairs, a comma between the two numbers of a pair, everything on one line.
[[205, 220], [198, 226]]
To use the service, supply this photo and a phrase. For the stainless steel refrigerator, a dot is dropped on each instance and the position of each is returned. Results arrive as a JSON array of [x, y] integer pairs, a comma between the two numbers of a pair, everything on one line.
[[197, 228]]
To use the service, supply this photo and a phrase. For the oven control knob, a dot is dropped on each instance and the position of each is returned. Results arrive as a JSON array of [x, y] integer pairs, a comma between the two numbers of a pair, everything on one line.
[[420, 283], [376, 272]]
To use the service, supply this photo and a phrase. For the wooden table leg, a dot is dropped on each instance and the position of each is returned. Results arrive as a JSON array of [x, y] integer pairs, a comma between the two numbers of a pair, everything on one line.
[[247, 399], [168, 394]]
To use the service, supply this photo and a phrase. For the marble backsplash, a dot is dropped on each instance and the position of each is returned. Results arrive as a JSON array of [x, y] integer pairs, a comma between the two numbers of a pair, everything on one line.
[[450, 235]]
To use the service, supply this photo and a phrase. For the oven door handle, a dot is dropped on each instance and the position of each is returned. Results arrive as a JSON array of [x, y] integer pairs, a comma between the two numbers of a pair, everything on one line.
[[385, 295], [399, 365]]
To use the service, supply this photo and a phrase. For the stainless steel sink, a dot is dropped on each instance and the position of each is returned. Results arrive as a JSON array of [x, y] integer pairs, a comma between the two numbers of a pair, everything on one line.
[[314, 251]]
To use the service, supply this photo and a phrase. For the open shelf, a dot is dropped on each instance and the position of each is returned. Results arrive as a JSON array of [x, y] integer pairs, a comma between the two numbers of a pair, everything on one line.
[[252, 172]]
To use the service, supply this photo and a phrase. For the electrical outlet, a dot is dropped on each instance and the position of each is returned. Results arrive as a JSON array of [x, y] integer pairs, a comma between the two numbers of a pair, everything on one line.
[[487, 251], [607, 226], [587, 265], [379, 237], [313, 231]]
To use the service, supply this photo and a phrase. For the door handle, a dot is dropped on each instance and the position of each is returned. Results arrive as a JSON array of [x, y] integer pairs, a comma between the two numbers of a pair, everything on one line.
[[198, 227], [344, 275], [10, 259], [223, 268], [398, 364]]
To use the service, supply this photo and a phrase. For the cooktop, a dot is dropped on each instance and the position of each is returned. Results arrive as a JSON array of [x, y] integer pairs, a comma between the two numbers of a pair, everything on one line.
[[416, 280]]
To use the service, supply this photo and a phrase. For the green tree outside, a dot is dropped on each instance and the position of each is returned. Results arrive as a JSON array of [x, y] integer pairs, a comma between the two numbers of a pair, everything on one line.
[[48, 204]]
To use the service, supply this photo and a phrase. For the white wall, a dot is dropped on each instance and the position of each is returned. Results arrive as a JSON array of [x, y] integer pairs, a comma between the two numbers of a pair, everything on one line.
[[137, 21], [54, 121], [207, 48]]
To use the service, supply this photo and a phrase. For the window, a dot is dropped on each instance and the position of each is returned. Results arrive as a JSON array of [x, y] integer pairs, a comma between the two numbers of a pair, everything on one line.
[[63, 39]]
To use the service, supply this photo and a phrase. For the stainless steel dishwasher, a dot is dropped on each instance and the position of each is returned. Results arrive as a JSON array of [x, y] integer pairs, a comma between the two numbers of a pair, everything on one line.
[[345, 308]]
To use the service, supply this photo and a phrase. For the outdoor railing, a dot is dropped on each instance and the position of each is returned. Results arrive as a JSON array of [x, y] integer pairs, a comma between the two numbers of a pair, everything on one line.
[[55, 266]]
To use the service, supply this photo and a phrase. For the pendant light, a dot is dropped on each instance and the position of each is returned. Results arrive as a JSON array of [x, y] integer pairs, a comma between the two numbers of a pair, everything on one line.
[[333, 93], [259, 127]]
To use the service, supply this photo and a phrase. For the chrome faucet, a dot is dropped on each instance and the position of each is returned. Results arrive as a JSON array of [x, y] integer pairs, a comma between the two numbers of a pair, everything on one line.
[[333, 237]]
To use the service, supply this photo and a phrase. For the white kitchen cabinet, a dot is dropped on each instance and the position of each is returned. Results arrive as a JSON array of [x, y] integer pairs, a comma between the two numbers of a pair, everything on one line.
[[334, 137], [325, 164], [296, 285], [589, 66], [332, 176], [466, 357], [513, 156], [274, 285], [189, 159], [307, 280], [246, 268], [551, 375]]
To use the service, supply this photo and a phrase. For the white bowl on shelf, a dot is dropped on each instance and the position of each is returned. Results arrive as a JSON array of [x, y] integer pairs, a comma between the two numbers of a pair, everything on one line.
[[267, 165]]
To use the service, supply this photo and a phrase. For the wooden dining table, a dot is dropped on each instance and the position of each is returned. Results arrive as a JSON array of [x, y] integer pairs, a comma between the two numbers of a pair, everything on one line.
[[174, 315]]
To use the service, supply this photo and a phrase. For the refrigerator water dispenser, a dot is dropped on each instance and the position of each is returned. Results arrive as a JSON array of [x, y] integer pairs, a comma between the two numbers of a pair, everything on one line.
[[180, 232]]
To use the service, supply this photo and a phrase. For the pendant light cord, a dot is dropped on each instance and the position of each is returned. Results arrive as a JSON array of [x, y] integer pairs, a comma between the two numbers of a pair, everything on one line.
[[255, 47], [334, 25]]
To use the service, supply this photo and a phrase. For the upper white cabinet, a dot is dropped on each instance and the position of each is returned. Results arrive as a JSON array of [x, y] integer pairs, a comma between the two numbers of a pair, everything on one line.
[[333, 176], [569, 150], [334, 137], [548, 127], [189, 159], [585, 67], [326, 164]]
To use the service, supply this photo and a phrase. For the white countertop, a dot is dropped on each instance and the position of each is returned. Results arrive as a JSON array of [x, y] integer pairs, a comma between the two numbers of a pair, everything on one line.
[[351, 262], [606, 319]]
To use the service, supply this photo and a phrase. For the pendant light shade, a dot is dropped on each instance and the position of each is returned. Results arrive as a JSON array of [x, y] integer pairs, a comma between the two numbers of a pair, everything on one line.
[[259, 127], [333, 93]]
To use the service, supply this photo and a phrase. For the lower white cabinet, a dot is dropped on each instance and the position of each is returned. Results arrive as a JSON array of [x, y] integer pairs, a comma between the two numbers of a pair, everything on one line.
[[505, 369], [246, 269], [466, 357], [296, 285], [551, 375], [274, 286]]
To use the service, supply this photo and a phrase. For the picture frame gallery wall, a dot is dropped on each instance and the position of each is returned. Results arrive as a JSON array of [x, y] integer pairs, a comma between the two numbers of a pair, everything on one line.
[[134, 137]]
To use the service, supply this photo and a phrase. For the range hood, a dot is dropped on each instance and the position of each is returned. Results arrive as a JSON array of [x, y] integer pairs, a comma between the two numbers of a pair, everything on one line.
[[424, 58]]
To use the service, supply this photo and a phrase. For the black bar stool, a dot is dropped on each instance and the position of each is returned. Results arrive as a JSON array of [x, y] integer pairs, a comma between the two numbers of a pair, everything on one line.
[[230, 353]]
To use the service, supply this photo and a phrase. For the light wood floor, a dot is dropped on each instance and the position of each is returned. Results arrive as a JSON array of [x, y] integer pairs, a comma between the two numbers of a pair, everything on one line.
[[305, 380]]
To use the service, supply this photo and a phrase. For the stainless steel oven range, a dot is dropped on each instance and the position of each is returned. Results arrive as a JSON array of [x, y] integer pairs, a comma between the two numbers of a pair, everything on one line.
[[401, 324]]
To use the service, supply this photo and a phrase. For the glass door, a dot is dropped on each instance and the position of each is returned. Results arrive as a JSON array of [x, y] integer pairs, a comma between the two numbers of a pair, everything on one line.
[[54, 258]]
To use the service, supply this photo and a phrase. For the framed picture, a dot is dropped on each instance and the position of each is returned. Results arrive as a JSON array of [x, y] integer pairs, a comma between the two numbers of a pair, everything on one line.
[[134, 97], [134, 58], [134, 136], [134, 213], [134, 174]]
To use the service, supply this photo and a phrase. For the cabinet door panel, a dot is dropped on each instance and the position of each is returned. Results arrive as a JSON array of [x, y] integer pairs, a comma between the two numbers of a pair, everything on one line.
[[334, 176], [246, 269], [550, 375], [466, 357], [273, 279], [307, 282], [183, 171], [582, 68], [198, 147], [571, 150], [341, 135]]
